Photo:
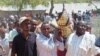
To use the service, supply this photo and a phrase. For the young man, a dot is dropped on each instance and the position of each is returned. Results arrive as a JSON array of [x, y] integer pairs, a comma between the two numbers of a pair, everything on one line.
[[34, 24], [14, 31], [24, 43], [81, 43], [47, 44]]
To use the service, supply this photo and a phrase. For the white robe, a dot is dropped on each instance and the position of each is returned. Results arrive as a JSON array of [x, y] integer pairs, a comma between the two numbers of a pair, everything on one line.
[[81, 45]]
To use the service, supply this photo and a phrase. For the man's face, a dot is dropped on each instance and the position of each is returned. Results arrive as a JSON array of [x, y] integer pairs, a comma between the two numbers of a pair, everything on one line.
[[45, 29], [81, 28], [33, 26], [25, 25]]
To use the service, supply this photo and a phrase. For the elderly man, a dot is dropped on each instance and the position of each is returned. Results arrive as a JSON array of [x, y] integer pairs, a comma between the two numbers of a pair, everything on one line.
[[24, 43], [81, 43], [47, 44]]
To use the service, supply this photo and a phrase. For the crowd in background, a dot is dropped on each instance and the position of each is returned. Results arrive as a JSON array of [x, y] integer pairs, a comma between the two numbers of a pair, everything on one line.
[[59, 34]]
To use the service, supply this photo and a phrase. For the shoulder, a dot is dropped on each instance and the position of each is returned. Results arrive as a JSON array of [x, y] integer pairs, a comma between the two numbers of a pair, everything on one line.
[[17, 37], [90, 37], [32, 37], [13, 30], [39, 36], [32, 34], [7, 35]]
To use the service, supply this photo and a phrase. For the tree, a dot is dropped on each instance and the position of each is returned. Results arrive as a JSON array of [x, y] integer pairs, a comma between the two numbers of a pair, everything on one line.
[[20, 4], [91, 3], [52, 6]]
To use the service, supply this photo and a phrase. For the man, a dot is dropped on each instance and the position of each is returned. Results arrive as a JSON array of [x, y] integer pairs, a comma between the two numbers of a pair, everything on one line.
[[84, 16], [12, 34], [93, 37], [97, 41], [74, 16], [79, 16], [64, 23], [24, 43], [4, 43], [47, 44], [81, 43], [88, 15], [47, 17], [14, 31], [58, 34], [34, 26]]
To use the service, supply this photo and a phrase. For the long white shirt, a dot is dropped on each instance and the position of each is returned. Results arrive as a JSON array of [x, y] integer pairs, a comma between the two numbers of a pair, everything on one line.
[[81, 45], [46, 46]]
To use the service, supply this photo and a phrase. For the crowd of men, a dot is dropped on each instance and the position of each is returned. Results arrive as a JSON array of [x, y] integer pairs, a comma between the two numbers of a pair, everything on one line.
[[53, 36]]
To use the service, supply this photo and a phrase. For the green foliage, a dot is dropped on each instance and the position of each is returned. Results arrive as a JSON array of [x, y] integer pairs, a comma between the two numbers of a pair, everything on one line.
[[36, 2], [23, 2]]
